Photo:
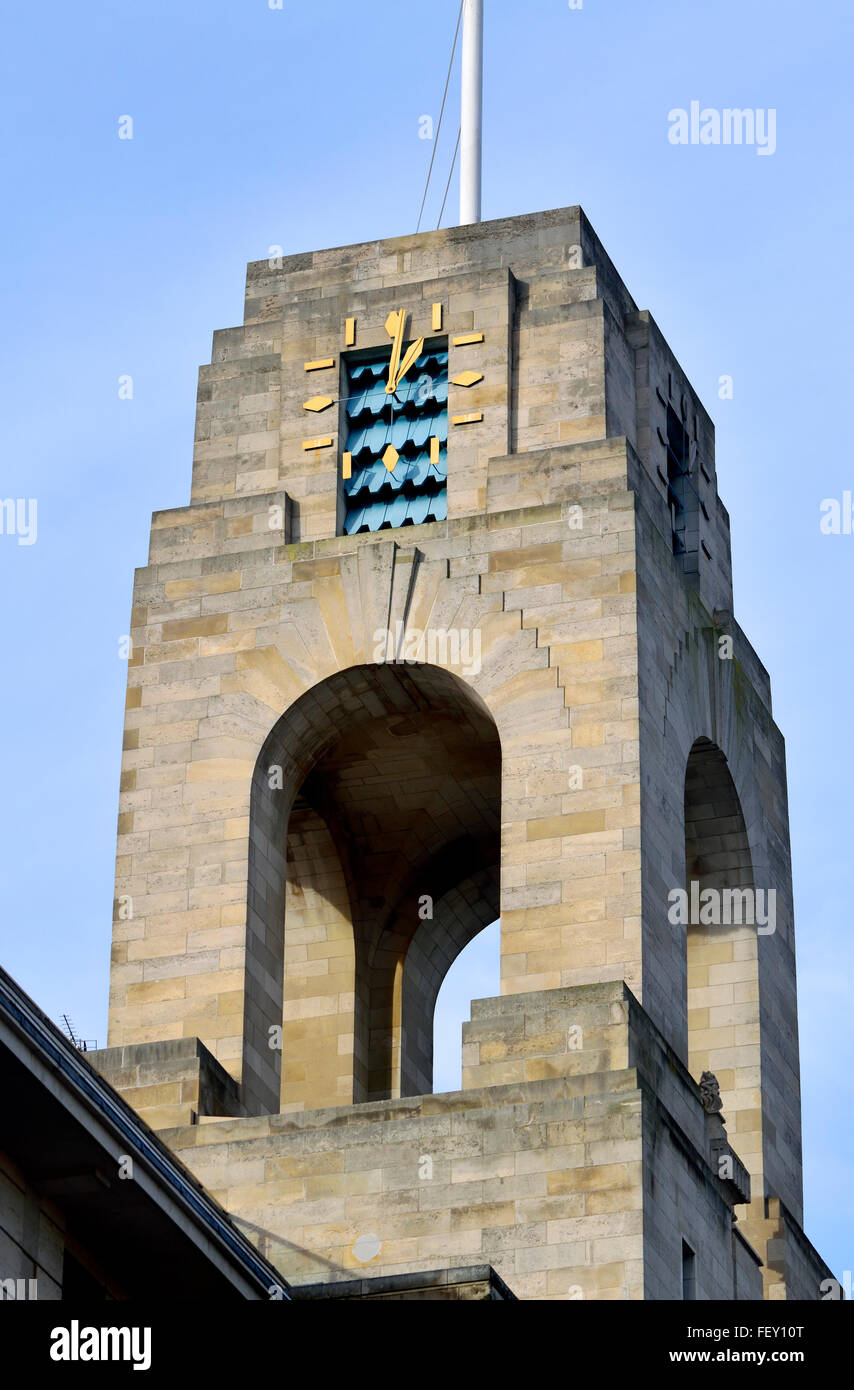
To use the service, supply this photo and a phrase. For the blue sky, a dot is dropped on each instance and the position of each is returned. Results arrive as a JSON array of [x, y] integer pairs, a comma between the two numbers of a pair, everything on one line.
[[299, 127]]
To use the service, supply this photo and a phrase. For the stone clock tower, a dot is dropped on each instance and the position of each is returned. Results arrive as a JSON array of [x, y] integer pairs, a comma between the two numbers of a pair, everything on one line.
[[446, 633]]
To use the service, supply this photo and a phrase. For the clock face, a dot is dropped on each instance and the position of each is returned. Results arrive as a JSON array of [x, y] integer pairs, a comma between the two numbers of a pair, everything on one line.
[[395, 450]]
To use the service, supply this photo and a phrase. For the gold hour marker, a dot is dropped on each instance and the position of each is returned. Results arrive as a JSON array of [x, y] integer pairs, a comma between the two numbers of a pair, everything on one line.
[[318, 403], [320, 364], [435, 446], [437, 317], [390, 458], [347, 466], [350, 333], [325, 443], [467, 379], [472, 418], [465, 339]]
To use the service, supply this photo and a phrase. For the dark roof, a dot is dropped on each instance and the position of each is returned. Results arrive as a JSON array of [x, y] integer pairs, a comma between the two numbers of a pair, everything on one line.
[[66, 1128]]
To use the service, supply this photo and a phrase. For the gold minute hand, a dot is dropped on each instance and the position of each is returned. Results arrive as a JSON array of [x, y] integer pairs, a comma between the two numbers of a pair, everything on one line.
[[412, 355], [394, 327]]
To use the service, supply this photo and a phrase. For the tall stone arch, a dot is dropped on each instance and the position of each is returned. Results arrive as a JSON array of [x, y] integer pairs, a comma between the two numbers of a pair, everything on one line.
[[722, 955], [384, 782]]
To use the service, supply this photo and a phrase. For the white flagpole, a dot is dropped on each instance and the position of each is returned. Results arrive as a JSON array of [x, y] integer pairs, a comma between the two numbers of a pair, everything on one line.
[[471, 140]]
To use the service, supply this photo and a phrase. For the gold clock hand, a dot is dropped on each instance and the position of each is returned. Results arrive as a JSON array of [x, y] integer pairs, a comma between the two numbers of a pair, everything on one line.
[[412, 355], [394, 327]]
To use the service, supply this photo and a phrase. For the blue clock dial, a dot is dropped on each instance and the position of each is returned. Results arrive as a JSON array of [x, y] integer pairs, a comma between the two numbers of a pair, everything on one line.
[[414, 489]]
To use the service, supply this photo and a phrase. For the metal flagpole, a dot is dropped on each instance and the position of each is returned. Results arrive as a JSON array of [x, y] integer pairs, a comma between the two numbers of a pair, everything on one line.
[[471, 142]]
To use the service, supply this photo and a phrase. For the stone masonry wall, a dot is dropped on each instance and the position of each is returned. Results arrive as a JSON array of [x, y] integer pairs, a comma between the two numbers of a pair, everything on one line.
[[225, 642], [541, 1177], [600, 671]]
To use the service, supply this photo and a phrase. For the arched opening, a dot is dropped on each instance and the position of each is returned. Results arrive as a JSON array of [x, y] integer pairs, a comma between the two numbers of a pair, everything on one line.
[[475, 974], [722, 956], [374, 860], [459, 916]]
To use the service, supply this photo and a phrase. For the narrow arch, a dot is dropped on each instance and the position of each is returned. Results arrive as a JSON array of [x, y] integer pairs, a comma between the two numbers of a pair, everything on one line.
[[459, 916], [722, 956], [474, 975], [385, 788]]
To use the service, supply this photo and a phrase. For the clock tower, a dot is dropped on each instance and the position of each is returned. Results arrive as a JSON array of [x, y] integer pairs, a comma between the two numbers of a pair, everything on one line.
[[446, 633]]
